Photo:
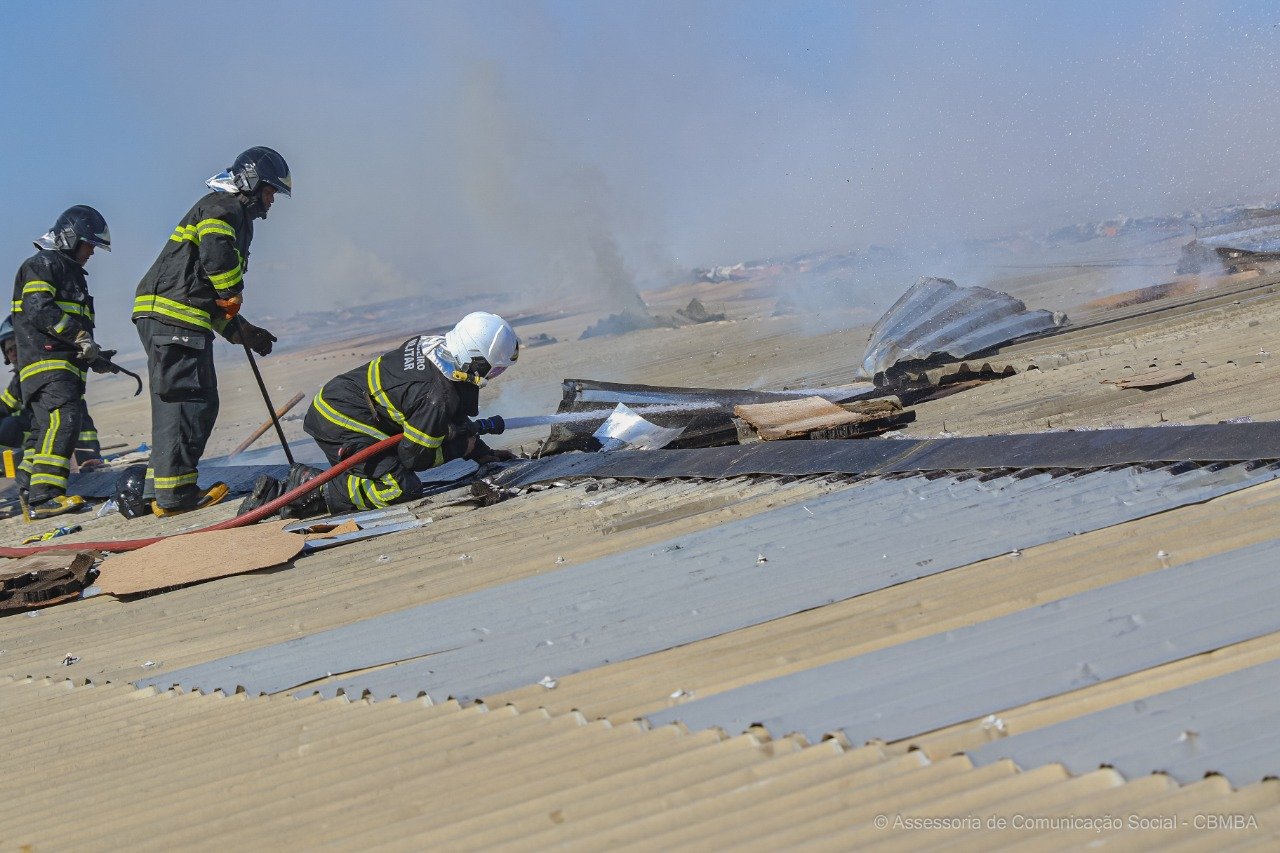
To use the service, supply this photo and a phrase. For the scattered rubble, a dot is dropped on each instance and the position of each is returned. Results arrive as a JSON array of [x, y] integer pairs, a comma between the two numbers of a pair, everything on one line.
[[44, 579], [696, 312], [620, 324], [541, 339]]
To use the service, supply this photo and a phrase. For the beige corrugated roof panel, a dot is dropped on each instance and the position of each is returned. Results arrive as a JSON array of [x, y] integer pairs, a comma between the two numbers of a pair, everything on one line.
[[463, 549], [1228, 347], [153, 771]]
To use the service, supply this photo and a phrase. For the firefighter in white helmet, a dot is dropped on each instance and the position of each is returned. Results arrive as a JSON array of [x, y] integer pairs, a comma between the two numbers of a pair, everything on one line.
[[427, 390]]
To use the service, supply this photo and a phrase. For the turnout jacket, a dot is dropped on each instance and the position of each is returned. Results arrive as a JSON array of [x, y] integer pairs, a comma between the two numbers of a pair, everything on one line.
[[204, 260], [401, 391], [51, 305]]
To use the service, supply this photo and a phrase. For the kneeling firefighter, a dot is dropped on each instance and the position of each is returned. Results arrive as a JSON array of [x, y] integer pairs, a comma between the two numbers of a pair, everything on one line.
[[428, 390]]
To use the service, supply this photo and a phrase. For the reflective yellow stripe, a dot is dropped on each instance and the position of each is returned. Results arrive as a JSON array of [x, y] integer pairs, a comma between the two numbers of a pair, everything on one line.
[[185, 232], [88, 436], [17, 306], [76, 308], [390, 493], [180, 480], [231, 278], [9, 400], [55, 420], [152, 304], [61, 326], [332, 415], [415, 435], [38, 287], [44, 479], [51, 459], [46, 365], [354, 492], [214, 226]]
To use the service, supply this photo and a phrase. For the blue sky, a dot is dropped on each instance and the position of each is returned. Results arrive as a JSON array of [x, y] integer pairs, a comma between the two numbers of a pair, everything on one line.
[[544, 147]]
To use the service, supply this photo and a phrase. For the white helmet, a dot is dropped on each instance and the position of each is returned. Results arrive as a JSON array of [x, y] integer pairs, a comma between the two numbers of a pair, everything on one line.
[[482, 345]]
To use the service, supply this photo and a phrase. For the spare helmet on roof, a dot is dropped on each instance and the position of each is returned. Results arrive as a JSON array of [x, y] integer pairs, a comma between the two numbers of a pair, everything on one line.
[[261, 165], [128, 491], [482, 345], [74, 225]]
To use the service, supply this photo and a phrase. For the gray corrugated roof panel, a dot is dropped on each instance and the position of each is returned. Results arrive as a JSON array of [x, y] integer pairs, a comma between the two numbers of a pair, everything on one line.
[[1099, 448], [927, 684], [618, 607], [1224, 725], [936, 317]]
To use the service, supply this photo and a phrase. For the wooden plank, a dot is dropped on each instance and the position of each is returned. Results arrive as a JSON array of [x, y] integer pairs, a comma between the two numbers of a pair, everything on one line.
[[795, 418]]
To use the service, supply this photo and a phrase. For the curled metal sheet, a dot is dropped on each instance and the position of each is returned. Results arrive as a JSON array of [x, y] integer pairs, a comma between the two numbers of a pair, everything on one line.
[[936, 318]]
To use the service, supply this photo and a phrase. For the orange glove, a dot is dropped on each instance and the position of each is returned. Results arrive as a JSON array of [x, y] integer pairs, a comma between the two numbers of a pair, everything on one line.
[[231, 305]]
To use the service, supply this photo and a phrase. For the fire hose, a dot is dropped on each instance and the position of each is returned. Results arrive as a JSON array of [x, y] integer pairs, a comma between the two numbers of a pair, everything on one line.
[[251, 517]]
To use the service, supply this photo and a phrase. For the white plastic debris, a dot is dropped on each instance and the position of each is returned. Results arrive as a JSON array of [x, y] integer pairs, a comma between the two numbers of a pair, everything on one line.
[[384, 558], [992, 723], [559, 560], [69, 659], [107, 508], [1162, 554], [681, 694], [548, 682], [761, 559], [464, 558], [626, 430], [148, 664]]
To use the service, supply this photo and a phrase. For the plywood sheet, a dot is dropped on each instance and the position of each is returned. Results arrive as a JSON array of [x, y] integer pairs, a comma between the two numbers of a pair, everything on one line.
[[794, 418], [195, 557]]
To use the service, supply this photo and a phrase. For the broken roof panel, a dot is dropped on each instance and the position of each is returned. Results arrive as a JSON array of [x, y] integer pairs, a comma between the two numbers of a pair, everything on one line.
[[739, 574], [936, 318], [926, 684], [1234, 442], [1213, 726]]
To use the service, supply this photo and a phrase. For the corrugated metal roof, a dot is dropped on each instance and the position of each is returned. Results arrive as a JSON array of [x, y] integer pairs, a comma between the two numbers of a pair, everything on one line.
[[1214, 726], [1231, 442], [936, 317], [735, 575], [155, 772], [937, 681]]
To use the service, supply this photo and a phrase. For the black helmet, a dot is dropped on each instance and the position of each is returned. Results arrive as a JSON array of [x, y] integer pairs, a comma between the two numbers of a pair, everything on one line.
[[6, 334], [261, 165], [79, 223], [128, 494]]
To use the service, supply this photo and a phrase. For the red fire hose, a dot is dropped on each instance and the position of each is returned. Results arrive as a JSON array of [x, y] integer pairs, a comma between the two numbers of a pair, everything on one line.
[[240, 521]]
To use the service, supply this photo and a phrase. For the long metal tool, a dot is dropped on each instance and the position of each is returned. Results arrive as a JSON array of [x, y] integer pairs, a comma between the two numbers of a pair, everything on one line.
[[271, 409]]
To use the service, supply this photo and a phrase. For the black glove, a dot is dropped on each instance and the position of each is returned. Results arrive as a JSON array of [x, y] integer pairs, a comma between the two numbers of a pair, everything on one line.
[[258, 339], [102, 364]]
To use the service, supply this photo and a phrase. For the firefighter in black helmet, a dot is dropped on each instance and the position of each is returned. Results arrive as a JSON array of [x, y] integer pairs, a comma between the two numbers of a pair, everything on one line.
[[53, 326], [195, 288], [15, 418]]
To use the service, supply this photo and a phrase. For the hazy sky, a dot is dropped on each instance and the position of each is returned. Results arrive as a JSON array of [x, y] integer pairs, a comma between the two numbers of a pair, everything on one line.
[[560, 147]]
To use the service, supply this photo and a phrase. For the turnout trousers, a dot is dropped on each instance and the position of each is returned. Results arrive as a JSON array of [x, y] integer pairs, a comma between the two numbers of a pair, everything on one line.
[[374, 483], [184, 407], [56, 409]]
